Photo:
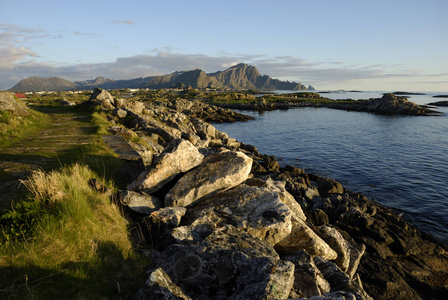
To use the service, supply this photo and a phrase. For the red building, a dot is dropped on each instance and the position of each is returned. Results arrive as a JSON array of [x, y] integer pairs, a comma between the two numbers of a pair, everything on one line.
[[20, 96]]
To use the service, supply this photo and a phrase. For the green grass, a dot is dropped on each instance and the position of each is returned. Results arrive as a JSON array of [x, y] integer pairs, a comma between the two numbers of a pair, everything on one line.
[[15, 128], [75, 244], [65, 240]]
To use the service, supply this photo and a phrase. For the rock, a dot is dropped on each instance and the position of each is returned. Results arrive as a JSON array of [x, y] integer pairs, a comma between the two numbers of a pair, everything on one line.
[[119, 102], [319, 217], [270, 164], [140, 202], [217, 172], [308, 280], [103, 97], [259, 211], [311, 194], [393, 104], [229, 264], [67, 103], [328, 186], [303, 237], [179, 156], [257, 168], [204, 127], [439, 103], [120, 113], [337, 242], [159, 286], [8, 103], [339, 295], [191, 137], [121, 147], [286, 197], [339, 281], [356, 253], [169, 216], [134, 106], [158, 227]]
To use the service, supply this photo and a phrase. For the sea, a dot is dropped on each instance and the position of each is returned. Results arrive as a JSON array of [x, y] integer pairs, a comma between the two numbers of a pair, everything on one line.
[[398, 161]]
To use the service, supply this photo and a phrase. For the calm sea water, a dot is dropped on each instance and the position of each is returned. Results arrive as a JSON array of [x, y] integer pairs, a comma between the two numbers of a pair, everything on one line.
[[399, 161]]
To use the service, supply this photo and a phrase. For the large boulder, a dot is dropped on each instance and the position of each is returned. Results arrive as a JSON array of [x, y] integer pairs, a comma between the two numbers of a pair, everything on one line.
[[9, 104], [103, 97], [228, 264], [303, 237], [178, 157], [218, 172], [258, 210]]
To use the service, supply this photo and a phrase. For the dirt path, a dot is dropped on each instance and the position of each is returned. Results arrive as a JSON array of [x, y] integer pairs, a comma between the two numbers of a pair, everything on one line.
[[54, 146]]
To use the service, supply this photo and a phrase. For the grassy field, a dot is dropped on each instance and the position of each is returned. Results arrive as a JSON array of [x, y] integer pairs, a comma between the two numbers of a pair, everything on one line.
[[62, 239]]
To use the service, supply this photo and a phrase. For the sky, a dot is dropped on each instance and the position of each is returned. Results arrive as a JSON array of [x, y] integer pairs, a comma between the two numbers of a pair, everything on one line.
[[385, 45]]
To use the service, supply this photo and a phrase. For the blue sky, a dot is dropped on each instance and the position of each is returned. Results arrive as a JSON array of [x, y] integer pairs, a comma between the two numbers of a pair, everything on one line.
[[344, 44]]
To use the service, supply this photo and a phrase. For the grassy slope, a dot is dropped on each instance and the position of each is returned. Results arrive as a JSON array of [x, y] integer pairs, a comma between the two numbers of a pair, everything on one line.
[[65, 240]]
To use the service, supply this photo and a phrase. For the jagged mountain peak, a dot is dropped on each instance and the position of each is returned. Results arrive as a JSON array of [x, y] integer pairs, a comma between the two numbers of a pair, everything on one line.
[[240, 76]]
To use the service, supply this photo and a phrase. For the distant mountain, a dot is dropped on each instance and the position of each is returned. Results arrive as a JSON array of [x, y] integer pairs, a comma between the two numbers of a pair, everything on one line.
[[95, 82], [238, 77], [44, 84]]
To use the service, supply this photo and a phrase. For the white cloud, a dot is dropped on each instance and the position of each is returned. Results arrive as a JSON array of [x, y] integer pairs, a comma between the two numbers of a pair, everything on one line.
[[12, 34], [9, 56]]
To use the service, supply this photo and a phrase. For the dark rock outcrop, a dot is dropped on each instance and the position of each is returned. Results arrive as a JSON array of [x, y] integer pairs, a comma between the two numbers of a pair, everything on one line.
[[439, 103]]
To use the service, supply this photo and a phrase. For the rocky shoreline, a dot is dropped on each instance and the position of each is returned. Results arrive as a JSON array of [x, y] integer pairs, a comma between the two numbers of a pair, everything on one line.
[[388, 104], [224, 221], [439, 103]]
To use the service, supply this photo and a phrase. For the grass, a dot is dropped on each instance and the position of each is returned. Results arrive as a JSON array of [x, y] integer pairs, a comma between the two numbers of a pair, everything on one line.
[[77, 245], [64, 240], [14, 128]]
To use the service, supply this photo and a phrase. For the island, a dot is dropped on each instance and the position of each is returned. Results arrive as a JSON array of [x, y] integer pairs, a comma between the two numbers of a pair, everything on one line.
[[388, 104]]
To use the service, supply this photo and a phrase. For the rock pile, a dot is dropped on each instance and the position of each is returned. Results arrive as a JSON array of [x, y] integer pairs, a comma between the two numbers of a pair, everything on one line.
[[226, 222]]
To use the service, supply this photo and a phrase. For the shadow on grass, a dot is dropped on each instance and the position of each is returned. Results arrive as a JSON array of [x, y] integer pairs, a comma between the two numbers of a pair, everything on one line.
[[108, 275], [104, 164]]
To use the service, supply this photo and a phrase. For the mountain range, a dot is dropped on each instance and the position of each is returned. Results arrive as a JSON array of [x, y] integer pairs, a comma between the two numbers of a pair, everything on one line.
[[238, 77]]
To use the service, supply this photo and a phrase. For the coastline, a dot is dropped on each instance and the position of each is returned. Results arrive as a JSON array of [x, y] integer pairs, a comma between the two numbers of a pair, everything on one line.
[[378, 254]]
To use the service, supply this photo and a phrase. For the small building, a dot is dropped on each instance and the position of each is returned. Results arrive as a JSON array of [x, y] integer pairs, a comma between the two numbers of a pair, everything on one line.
[[20, 95]]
